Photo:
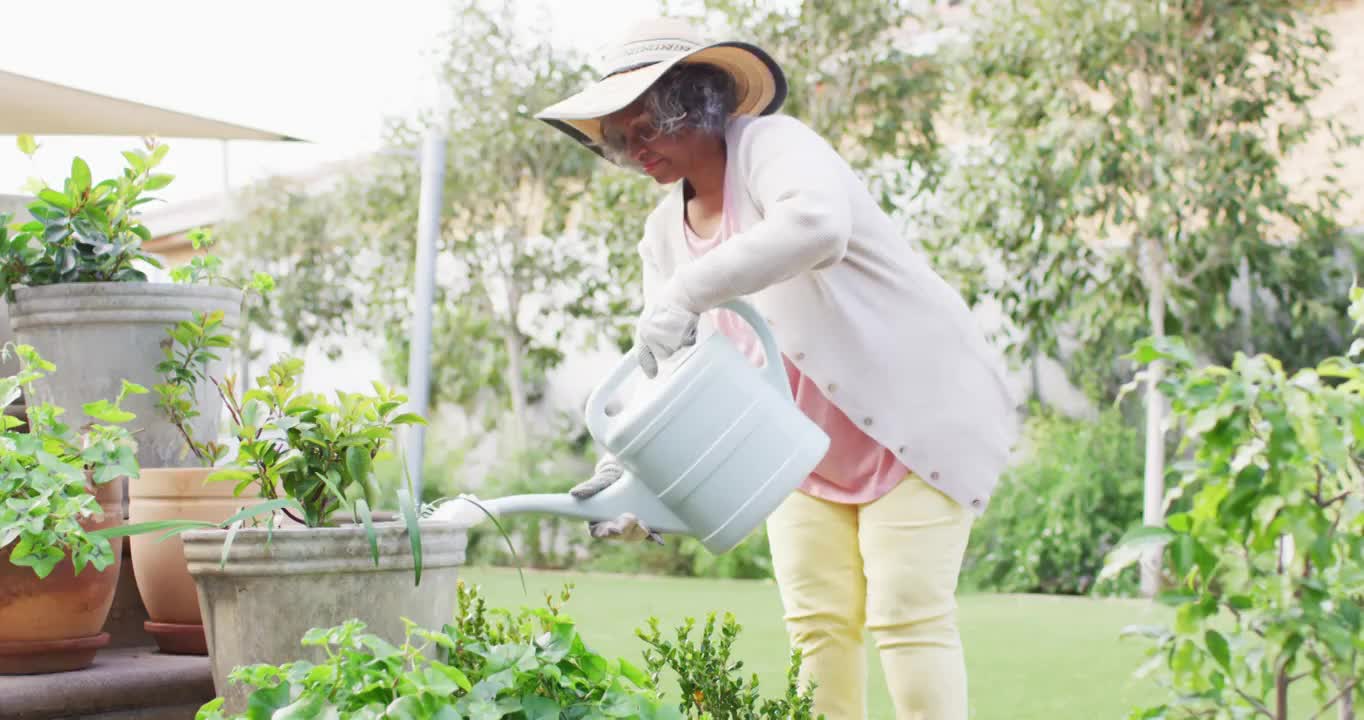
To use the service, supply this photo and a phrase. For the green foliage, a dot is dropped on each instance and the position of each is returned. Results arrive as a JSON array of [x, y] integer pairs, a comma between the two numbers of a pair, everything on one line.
[[851, 76], [47, 473], [84, 231], [1268, 559], [490, 663], [188, 351], [1130, 169], [1057, 513], [708, 676], [299, 445]]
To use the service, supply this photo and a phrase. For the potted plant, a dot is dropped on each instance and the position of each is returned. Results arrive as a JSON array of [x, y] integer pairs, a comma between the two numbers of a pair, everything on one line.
[[59, 565], [76, 281], [321, 557], [190, 354]]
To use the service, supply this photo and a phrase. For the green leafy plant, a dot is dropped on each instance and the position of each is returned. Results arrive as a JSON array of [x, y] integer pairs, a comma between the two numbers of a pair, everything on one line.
[[47, 473], [84, 231], [192, 344], [1267, 562], [708, 676], [189, 348], [1061, 509], [301, 446], [488, 664]]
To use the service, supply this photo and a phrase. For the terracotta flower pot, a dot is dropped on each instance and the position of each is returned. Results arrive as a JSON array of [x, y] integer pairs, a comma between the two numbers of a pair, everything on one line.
[[54, 624], [163, 579]]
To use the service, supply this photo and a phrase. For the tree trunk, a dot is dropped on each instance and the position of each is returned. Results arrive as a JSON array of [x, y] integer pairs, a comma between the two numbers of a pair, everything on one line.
[[1154, 494], [515, 379]]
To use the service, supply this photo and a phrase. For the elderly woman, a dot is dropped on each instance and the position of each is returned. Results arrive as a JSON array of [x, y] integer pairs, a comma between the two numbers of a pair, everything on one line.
[[881, 353]]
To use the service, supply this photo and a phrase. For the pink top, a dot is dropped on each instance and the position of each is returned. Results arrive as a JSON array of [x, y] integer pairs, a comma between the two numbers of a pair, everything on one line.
[[856, 469]]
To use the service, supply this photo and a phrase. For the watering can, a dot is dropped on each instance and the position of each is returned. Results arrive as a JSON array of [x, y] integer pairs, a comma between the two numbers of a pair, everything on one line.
[[709, 449]]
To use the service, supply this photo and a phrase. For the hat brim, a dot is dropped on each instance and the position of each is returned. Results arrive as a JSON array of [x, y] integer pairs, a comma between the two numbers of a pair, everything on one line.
[[760, 87]]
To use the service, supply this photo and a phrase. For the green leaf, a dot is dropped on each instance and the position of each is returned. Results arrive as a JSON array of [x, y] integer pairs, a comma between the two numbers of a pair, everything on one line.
[[1131, 548], [227, 542], [105, 411], [27, 145], [1217, 646], [80, 175], [540, 708], [357, 463], [151, 526], [56, 198], [262, 704], [409, 512], [362, 509], [157, 182]]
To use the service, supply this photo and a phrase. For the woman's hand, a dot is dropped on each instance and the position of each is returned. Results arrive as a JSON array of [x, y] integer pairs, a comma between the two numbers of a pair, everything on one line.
[[663, 329], [625, 527]]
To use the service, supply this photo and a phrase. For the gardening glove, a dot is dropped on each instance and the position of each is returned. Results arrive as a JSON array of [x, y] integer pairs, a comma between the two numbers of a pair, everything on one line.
[[625, 527], [664, 327]]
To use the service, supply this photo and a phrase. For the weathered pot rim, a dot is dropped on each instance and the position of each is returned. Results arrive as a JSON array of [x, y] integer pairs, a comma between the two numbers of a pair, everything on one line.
[[302, 550], [338, 530], [123, 289]]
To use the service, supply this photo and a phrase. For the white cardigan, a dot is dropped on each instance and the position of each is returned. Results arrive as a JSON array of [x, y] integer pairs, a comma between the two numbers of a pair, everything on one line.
[[850, 302]]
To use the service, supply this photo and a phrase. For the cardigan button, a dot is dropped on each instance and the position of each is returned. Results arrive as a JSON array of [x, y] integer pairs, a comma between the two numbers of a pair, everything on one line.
[[866, 421], [976, 502], [800, 356], [833, 387], [933, 475], [902, 450]]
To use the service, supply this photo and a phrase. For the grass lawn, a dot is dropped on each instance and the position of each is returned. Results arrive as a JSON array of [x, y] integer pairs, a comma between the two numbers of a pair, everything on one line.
[[1029, 657]]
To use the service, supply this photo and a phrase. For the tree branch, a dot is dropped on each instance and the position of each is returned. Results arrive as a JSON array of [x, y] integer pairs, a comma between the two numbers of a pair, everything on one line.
[[1339, 696]]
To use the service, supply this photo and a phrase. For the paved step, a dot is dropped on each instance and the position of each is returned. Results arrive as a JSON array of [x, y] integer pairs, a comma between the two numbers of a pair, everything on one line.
[[122, 684]]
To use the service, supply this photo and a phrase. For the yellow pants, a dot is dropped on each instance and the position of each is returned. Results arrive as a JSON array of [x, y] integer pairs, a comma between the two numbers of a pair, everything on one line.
[[890, 566]]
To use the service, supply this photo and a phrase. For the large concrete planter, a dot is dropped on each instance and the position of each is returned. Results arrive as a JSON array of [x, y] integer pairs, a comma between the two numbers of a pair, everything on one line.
[[100, 334], [276, 586], [163, 580], [54, 624]]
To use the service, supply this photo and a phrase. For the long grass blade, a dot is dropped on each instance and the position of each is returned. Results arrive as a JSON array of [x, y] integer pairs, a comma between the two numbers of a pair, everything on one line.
[[151, 526], [362, 508], [505, 537], [413, 529], [227, 543]]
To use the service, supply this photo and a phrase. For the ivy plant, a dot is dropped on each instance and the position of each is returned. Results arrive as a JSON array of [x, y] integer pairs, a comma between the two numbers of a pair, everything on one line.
[[84, 231], [48, 472], [1268, 560]]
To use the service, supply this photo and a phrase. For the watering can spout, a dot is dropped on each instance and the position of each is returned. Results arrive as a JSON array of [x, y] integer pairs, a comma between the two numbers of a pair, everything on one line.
[[626, 495]]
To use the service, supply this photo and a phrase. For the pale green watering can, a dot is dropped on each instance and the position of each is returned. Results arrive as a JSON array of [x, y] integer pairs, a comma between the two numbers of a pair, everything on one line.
[[710, 449]]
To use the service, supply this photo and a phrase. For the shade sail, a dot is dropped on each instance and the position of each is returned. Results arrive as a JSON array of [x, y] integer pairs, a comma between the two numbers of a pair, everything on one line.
[[29, 105]]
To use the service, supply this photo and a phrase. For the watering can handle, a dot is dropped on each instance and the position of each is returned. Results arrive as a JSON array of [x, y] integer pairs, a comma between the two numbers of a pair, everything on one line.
[[775, 369]]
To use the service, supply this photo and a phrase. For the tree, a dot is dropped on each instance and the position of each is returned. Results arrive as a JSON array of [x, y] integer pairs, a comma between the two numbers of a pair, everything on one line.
[[1130, 170]]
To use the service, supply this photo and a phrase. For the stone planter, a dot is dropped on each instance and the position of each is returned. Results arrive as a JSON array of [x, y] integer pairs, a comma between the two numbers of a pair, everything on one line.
[[163, 579], [100, 334], [54, 624], [275, 587]]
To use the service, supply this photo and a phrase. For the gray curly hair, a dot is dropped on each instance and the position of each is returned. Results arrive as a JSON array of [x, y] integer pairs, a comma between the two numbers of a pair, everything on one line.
[[687, 96]]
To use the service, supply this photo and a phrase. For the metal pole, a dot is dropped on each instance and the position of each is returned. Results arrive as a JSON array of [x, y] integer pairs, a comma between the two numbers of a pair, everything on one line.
[[419, 358]]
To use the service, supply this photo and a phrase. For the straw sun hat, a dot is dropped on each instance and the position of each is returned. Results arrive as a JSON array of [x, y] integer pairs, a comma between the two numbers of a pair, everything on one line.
[[650, 48]]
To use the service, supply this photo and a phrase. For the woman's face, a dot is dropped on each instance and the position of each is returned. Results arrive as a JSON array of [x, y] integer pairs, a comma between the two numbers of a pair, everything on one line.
[[633, 133]]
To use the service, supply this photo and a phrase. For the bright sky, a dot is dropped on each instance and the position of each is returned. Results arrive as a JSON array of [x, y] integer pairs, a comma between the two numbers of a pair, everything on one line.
[[324, 70]]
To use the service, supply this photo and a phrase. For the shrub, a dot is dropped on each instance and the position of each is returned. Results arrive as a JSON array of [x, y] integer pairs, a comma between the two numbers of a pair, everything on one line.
[[1267, 559], [1058, 513]]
